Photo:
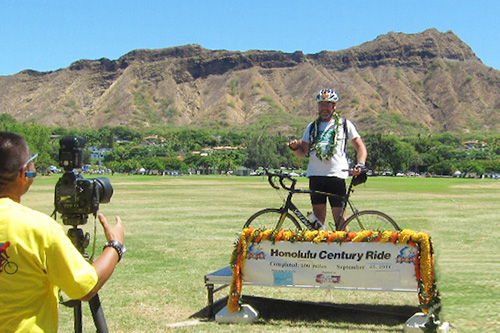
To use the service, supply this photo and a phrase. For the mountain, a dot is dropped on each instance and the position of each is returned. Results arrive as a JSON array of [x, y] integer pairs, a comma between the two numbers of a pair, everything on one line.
[[397, 83]]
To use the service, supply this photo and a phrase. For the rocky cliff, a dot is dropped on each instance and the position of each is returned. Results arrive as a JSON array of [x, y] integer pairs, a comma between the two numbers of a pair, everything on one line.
[[430, 80]]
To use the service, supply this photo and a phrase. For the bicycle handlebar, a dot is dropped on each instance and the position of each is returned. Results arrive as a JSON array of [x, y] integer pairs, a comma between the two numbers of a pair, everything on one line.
[[283, 176]]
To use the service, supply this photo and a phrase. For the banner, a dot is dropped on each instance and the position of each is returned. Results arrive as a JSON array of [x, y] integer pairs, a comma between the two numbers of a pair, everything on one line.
[[352, 265], [362, 260]]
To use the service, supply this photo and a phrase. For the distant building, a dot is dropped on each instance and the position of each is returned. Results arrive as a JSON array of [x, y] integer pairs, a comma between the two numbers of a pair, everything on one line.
[[152, 139], [98, 153], [474, 144], [242, 171]]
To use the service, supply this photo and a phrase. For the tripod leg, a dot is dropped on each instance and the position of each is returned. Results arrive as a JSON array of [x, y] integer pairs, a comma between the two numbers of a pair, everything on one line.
[[80, 242], [77, 310], [98, 315]]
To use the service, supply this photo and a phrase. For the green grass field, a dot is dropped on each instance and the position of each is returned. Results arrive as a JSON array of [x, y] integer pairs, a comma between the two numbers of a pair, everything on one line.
[[180, 228]]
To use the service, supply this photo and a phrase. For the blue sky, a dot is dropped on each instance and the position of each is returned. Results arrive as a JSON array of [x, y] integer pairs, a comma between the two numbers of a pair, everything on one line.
[[46, 35]]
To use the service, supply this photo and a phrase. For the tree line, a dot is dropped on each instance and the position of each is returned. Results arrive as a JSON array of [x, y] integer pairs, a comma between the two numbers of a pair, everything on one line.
[[194, 149]]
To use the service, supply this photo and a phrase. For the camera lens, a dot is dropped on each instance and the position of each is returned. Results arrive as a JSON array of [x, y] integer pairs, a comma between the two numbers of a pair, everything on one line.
[[104, 189]]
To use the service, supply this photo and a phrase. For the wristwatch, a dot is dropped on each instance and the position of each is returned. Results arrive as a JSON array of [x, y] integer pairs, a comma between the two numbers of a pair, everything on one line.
[[119, 247]]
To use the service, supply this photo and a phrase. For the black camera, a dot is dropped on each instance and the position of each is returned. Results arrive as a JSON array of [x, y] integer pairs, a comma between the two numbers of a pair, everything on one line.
[[75, 196]]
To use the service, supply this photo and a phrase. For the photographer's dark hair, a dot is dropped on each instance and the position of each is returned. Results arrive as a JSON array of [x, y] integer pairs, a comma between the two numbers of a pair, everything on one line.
[[13, 150]]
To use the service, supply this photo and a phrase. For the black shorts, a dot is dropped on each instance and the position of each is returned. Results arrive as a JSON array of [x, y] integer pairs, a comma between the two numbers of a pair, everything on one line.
[[329, 185]]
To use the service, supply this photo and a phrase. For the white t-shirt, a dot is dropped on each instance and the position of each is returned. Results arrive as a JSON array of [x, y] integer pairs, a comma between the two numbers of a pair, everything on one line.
[[334, 166]]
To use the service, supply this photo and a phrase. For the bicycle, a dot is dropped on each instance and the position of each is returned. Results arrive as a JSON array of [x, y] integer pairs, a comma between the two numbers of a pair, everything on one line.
[[288, 215], [8, 267]]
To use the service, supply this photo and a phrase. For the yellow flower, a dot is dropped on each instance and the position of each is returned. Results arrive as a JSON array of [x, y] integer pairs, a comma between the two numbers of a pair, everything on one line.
[[405, 235], [361, 235], [418, 237], [320, 235], [287, 235], [340, 235], [267, 234], [309, 235], [386, 235]]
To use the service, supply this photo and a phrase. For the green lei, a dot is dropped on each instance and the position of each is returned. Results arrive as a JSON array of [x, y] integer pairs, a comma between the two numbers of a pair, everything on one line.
[[316, 139]]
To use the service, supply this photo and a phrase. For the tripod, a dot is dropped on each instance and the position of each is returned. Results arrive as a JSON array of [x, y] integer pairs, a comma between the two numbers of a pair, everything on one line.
[[81, 241]]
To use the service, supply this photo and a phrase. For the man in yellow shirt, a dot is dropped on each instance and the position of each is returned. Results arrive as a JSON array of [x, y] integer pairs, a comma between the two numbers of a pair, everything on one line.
[[38, 258]]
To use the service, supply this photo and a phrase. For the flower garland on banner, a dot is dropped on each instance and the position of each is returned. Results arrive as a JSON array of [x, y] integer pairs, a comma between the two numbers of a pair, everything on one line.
[[428, 294]]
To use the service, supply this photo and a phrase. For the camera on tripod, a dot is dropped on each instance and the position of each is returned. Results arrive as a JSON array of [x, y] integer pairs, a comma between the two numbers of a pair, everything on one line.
[[75, 196]]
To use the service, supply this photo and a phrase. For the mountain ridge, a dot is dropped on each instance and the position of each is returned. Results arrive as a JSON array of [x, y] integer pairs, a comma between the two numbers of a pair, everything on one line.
[[430, 81]]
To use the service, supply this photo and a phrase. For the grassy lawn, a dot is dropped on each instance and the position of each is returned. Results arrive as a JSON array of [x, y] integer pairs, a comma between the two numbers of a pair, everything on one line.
[[180, 228]]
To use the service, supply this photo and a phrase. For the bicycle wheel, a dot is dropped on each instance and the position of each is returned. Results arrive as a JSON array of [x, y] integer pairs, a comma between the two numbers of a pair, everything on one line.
[[10, 267], [269, 219], [370, 220]]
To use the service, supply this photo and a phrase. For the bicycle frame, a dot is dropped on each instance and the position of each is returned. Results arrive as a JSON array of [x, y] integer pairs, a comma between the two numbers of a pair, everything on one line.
[[346, 202], [290, 206]]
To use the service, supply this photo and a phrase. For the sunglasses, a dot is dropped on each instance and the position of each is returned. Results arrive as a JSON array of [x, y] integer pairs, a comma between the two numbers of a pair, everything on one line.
[[30, 174]]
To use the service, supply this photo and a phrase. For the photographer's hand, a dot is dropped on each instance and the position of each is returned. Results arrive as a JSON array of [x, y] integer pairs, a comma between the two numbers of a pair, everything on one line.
[[106, 263], [115, 232]]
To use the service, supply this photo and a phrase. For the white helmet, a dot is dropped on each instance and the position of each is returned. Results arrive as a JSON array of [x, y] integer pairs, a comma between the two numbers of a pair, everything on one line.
[[327, 95]]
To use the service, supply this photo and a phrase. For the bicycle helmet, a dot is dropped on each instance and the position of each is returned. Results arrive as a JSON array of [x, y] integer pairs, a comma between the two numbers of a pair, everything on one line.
[[327, 95]]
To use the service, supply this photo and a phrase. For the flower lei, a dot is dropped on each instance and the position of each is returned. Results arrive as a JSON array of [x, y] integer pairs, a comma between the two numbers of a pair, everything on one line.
[[316, 139], [428, 294]]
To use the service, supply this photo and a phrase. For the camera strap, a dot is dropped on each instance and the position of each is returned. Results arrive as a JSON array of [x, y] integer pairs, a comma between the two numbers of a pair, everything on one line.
[[91, 258]]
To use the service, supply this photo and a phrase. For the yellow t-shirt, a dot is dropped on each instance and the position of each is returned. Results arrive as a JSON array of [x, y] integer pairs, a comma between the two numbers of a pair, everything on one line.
[[41, 259]]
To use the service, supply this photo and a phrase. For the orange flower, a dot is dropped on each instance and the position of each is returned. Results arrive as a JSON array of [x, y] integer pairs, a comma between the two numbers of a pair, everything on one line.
[[259, 237], [331, 237], [394, 237], [248, 232], [279, 235]]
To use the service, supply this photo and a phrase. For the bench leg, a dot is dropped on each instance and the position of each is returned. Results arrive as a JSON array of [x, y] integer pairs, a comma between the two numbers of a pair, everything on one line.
[[210, 290]]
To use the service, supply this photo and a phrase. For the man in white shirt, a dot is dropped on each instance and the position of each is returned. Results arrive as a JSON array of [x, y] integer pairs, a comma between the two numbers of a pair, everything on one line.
[[325, 140]]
